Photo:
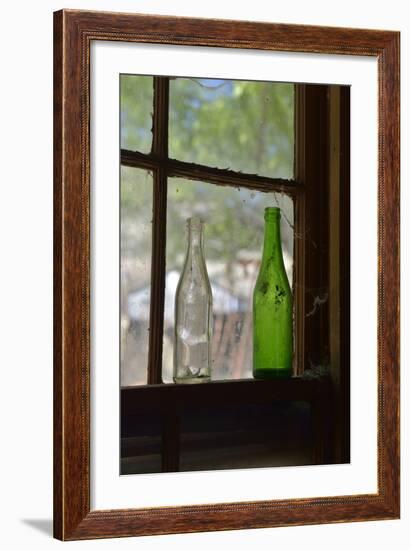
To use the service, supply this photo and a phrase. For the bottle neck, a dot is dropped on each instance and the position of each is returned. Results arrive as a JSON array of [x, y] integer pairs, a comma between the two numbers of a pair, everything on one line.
[[195, 238], [195, 241], [272, 249]]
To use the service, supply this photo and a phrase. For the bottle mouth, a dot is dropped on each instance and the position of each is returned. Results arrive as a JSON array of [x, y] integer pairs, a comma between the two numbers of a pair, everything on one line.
[[272, 212], [194, 223]]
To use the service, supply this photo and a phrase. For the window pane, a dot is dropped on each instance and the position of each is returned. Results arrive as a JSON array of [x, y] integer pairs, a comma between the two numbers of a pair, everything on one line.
[[136, 112], [232, 253], [136, 215], [244, 126]]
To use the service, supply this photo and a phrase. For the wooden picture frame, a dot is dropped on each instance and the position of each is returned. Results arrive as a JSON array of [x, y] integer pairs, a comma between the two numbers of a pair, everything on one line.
[[74, 31]]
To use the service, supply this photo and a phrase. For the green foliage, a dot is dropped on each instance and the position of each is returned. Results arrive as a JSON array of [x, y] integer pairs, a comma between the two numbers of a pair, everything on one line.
[[233, 219], [136, 112], [136, 186], [244, 126]]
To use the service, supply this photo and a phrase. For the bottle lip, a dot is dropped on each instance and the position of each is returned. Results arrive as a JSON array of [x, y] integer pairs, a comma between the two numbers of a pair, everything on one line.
[[272, 212], [194, 222]]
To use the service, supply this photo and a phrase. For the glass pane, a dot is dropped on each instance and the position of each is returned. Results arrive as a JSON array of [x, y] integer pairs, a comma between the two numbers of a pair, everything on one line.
[[244, 126], [136, 216], [136, 112], [232, 253]]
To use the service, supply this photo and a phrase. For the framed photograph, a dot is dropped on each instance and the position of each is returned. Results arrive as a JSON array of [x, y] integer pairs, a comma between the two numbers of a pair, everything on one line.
[[226, 275]]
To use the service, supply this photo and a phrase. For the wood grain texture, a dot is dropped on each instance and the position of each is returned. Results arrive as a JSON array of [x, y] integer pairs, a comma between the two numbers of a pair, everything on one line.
[[58, 494], [218, 176], [73, 32], [389, 274], [71, 286]]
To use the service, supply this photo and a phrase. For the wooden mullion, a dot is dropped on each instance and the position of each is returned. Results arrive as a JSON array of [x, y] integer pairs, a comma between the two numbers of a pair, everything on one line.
[[299, 284], [299, 231], [339, 263], [316, 242], [135, 159], [160, 150], [345, 270], [228, 177], [218, 176]]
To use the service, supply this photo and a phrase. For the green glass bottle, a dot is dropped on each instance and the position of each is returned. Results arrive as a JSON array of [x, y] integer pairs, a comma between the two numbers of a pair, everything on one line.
[[272, 308]]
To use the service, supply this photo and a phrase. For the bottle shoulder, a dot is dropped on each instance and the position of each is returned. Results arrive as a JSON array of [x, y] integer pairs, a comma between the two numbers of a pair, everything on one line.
[[271, 274]]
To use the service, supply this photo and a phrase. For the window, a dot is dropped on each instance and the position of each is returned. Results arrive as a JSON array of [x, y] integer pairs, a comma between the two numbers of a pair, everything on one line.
[[224, 150], [222, 167]]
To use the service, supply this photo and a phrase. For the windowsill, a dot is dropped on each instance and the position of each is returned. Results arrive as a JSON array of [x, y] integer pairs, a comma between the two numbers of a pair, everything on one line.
[[222, 392], [172, 408]]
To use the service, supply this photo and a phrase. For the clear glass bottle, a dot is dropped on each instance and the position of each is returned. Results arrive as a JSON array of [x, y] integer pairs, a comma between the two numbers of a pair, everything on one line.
[[272, 307], [193, 313]]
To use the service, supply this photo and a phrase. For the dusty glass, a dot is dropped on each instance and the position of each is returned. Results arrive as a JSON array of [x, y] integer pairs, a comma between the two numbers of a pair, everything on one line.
[[136, 106], [136, 216], [245, 126]]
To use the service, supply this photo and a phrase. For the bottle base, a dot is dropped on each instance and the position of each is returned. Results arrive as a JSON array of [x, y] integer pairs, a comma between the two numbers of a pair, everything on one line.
[[272, 374], [193, 380]]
